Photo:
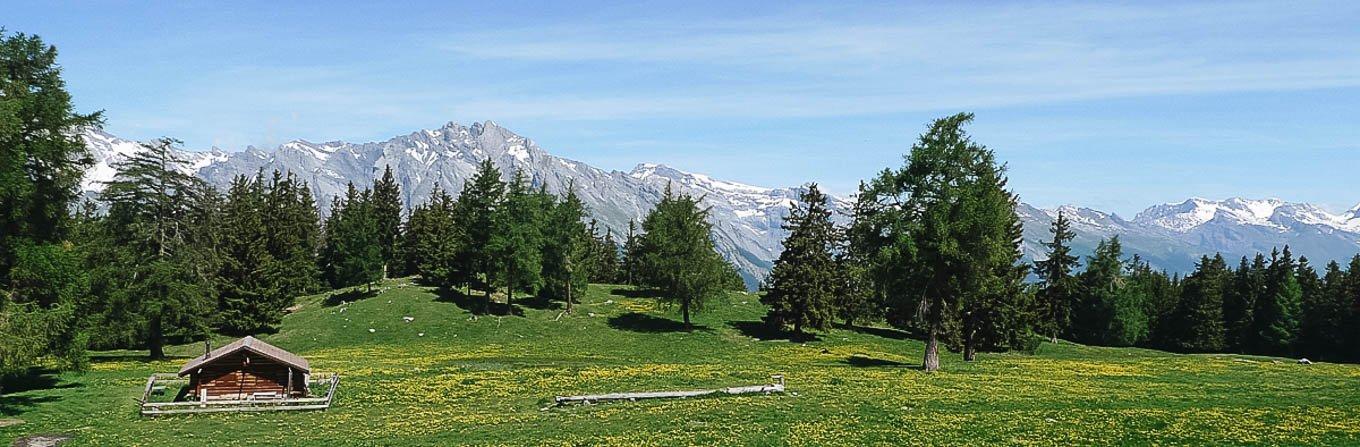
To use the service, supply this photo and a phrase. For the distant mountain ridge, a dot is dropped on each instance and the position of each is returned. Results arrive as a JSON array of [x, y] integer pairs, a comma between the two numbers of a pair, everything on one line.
[[746, 218]]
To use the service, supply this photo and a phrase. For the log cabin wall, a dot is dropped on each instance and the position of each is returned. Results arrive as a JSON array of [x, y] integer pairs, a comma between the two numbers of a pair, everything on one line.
[[241, 374]]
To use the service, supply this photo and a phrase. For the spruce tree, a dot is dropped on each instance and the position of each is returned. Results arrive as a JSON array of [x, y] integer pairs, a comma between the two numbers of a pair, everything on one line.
[[630, 262], [604, 256], [1057, 285], [1199, 321], [567, 250], [243, 290], [517, 244], [947, 226], [432, 241], [676, 255], [42, 160], [293, 232], [802, 282], [387, 216], [1322, 331], [479, 207], [353, 252], [153, 209], [1239, 302], [1276, 324]]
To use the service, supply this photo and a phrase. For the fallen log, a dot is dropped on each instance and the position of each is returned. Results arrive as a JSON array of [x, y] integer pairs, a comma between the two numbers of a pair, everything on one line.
[[776, 386]]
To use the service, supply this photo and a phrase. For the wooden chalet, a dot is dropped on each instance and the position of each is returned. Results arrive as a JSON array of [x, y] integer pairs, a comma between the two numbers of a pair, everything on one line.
[[246, 369]]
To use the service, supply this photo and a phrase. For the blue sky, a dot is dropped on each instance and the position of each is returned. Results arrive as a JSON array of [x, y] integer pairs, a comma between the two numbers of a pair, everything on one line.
[[1115, 105]]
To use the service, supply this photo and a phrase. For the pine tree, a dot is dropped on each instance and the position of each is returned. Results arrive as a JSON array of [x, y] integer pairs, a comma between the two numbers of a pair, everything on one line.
[[1276, 313], [1057, 285], [41, 163], [517, 245], [387, 216], [567, 250], [802, 282], [153, 207], [676, 254], [1199, 321], [947, 225]]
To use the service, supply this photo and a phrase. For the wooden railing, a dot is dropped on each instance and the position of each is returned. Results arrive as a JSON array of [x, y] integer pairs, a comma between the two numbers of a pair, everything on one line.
[[232, 406]]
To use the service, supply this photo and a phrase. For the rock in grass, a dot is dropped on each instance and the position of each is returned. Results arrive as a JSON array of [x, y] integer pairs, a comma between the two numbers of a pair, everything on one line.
[[1305, 361], [371, 330]]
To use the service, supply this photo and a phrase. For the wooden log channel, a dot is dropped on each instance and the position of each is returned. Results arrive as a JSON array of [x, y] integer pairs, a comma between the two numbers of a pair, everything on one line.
[[776, 386]]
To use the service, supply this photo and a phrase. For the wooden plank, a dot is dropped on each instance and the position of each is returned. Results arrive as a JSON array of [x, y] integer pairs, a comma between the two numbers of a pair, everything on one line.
[[766, 389]]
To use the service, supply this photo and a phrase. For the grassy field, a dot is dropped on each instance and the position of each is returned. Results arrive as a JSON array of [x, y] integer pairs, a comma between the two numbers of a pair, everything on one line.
[[489, 380]]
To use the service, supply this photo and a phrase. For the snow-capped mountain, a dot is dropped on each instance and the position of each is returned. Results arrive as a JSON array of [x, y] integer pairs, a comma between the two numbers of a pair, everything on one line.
[[746, 218]]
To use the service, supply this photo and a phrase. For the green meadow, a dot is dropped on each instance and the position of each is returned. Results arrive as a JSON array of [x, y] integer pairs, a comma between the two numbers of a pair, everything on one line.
[[451, 376]]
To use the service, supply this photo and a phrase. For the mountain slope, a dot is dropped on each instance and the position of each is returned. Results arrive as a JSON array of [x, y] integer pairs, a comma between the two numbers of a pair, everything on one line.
[[746, 218]]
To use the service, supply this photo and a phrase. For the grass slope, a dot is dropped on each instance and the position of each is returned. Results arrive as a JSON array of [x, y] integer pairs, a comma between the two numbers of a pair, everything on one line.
[[486, 380]]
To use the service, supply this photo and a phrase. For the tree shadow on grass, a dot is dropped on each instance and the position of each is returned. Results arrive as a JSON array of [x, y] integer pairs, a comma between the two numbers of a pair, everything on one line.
[[640, 322], [33, 379], [475, 305], [349, 296], [539, 303], [634, 292], [895, 334], [761, 330], [870, 362]]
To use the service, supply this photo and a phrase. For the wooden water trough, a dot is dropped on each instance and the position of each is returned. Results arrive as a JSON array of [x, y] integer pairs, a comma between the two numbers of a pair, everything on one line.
[[776, 385], [246, 375]]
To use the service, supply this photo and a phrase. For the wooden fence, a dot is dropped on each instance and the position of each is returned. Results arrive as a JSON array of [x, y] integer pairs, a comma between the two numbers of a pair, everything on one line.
[[149, 408]]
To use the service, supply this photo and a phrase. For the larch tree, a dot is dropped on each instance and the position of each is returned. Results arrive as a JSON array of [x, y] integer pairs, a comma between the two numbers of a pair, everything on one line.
[[676, 255], [946, 235], [154, 210]]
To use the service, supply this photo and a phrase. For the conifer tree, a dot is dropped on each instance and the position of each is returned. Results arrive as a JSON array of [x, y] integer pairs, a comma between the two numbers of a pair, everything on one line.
[[432, 240], [1276, 314], [1109, 312], [353, 251], [387, 216], [1322, 331], [1239, 302], [567, 250], [1199, 321], [293, 231], [153, 210], [480, 206], [802, 282], [1057, 285], [243, 290], [630, 262], [42, 160], [517, 244], [604, 256], [676, 254], [948, 229]]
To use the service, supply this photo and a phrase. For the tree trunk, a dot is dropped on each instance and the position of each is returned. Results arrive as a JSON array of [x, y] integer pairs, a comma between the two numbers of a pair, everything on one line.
[[156, 342], [684, 309], [569, 296], [486, 306], [969, 338], [932, 358]]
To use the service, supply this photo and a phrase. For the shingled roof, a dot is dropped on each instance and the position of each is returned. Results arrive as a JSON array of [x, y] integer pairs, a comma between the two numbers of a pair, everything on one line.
[[251, 344]]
